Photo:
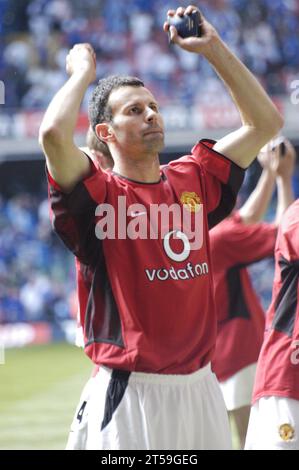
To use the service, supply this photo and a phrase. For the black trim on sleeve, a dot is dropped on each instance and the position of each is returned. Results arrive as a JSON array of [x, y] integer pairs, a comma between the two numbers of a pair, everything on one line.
[[287, 300], [213, 142], [116, 389], [237, 305], [228, 198]]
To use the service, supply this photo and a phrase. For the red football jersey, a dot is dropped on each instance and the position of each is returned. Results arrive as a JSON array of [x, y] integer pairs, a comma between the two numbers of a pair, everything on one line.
[[235, 245], [147, 304], [278, 364]]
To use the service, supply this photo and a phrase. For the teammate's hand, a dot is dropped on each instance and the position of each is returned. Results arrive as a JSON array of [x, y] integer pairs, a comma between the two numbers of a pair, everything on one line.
[[199, 45], [82, 58], [287, 161], [268, 158]]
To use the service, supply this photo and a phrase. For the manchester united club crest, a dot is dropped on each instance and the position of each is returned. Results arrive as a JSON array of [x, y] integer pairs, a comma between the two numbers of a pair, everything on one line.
[[286, 432], [191, 201]]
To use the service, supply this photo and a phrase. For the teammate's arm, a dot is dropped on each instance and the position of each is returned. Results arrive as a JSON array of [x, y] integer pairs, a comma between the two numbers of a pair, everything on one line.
[[260, 119], [275, 166], [66, 163], [285, 193], [257, 203]]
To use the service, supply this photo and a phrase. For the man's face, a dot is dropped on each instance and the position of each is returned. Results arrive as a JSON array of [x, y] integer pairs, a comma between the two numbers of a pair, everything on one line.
[[137, 123]]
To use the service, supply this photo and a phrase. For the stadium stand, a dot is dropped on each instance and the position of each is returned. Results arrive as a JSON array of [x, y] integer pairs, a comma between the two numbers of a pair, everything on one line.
[[36, 278], [128, 38]]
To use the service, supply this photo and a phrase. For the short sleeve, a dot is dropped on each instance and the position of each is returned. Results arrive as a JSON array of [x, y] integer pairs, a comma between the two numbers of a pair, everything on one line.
[[284, 310], [288, 236], [73, 214], [222, 180]]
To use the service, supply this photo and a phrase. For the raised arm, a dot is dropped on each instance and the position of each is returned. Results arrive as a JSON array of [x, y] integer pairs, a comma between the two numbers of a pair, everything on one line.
[[66, 163], [260, 119], [276, 167], [285, 170], [257, 203]]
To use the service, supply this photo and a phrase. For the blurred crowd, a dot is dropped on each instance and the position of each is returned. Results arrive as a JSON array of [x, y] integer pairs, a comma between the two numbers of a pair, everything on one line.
[[37, 279], [35, 36]]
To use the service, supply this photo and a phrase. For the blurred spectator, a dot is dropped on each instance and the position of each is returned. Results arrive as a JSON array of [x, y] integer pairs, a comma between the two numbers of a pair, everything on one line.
[[36, 273], [128, 39]]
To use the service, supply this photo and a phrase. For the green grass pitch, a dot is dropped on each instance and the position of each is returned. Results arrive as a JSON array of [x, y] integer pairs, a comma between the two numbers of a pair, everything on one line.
[[40, 387]]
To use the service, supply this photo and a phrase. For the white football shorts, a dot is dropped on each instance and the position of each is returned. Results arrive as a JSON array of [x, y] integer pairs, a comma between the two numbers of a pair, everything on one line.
[[237, 389], [273, 424], [121, 410]]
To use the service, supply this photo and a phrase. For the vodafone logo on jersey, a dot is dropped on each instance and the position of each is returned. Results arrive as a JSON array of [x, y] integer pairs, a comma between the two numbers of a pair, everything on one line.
[[156, 221], [178, 257], [190, 271]]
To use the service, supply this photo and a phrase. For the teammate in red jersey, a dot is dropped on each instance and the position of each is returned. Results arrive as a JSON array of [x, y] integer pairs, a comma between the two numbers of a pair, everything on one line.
[[274, 418], [237, 242], [149, 319]]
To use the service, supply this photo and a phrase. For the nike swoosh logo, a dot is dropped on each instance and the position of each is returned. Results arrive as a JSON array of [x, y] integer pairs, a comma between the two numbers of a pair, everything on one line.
[[137, 214]]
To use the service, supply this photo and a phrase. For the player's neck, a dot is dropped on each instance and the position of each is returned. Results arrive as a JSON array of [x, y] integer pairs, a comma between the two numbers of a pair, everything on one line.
[[145, 171]]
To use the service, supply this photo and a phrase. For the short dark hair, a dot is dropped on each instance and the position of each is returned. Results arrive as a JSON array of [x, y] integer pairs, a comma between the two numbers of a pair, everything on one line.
[[93, 143], [99, 111]]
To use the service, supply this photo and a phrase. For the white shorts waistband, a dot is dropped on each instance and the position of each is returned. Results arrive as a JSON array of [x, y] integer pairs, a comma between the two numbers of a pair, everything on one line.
[[164, 379]]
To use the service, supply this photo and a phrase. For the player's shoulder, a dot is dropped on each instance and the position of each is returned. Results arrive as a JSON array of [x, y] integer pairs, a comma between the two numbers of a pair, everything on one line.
[[193, 157], [289, 230], [290, 220], [185, 165], [203, 148], [183, 160], [293, 211]]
